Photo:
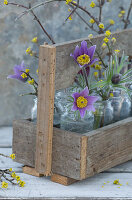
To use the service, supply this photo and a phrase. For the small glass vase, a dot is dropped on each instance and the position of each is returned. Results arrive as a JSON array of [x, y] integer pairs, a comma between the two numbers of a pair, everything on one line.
[[76, 124], [34, 110], [103, 114], [121, 105]]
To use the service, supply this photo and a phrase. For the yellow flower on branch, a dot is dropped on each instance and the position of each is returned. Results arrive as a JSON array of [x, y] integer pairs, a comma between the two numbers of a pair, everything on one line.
[[28, 50], [111, 94], [104, 45], [106, 40], [17, 178], [37, 71], [92, 21], [101, 26], [5, 2], [120, 15], [92, 5], [98, 67], [27, 70], [112, 22], [4, 184], [96, 74], [70, 18], [10, 170], [22, 183], [35, 40], [12, 156], [113, 40], [24, 75], [107, 33], [68, 1], [31, 82], [90, 36], [123, 12], [13, 175]]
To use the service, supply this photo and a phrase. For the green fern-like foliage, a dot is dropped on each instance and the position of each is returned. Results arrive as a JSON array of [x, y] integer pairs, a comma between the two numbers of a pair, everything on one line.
[[113, 79]]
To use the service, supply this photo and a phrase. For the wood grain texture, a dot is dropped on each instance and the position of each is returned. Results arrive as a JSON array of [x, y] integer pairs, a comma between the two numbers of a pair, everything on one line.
[[66, 68], [84, 143], [62, 179], [24, 139], [109, 146], [47, 61], [31, 171]]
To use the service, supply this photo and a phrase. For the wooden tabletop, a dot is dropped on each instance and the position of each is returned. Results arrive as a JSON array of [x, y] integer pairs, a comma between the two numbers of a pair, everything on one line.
[[98, 187]]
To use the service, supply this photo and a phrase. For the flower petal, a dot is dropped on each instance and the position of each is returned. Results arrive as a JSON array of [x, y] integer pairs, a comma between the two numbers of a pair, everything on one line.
[[76, 52], [93, 61], [92, 99], [75, 95], [91, 51], [85, 92], [82, 112], [74, 108], [84, 47]]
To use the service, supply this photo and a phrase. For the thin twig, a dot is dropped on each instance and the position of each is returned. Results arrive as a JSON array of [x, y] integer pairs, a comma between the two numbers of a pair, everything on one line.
[[36, 18], [128, 15]]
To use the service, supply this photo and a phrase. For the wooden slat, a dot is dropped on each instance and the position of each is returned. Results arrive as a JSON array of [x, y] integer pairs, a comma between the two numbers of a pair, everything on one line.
[[66, 68], [109, 146], [47, 61], [31, 171], [62, 179], [24, 139]]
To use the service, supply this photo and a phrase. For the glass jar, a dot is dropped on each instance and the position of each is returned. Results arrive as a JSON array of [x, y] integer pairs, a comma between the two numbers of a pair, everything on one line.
[[103, 114], [121, 105], [76, 124], [34, 111]]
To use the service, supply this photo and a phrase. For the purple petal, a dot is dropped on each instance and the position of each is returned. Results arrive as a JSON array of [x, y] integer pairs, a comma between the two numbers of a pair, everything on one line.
[[74, 108], [91, 108], [85, 92], [92, 99], [75, 95], [91, 51], [93, 61], [15, 76], [76, 52], [84, 48], [82, 112]]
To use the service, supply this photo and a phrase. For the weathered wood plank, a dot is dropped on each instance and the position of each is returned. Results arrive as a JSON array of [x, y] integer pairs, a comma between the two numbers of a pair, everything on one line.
[[24, 139], [109, 146], [66, 149], [31, 171], [62, 179], [47, 62], [66, 68]]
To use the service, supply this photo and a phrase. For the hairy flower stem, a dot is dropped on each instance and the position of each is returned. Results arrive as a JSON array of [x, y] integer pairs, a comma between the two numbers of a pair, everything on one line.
[[85, 76], [35, 18]]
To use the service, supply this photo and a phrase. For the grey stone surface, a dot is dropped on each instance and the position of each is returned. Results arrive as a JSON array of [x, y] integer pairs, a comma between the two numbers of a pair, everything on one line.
[[15, 37]]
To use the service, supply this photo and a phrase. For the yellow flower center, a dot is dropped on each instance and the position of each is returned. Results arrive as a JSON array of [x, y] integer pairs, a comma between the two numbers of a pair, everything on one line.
[[82, 102], [83, 59]]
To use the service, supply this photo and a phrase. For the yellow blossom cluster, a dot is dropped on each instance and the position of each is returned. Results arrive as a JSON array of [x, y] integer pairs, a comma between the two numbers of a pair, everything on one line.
[[31, 82], [92, 5], [92, 21], [35, 40], [5, 2], [12, 156], [121, 13], [101, 26]]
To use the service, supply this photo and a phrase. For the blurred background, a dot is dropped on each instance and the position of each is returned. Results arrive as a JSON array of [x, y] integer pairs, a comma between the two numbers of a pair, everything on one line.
[[16, 36]]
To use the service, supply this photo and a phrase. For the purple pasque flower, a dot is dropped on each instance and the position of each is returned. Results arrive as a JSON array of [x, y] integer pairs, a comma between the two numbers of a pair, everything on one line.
[[83, 102], [18, 72], [84, 55]]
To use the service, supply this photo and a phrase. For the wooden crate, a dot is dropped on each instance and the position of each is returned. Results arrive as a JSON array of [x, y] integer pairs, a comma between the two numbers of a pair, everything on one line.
[[65, 155]]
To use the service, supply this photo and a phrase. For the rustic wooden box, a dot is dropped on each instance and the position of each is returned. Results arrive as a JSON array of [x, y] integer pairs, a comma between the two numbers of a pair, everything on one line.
[[54, 151]]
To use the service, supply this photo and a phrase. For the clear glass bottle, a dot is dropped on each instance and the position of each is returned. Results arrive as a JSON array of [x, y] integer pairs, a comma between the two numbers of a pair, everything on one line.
[[76, 124], [121, 105], [34, 110], [103, 114]]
